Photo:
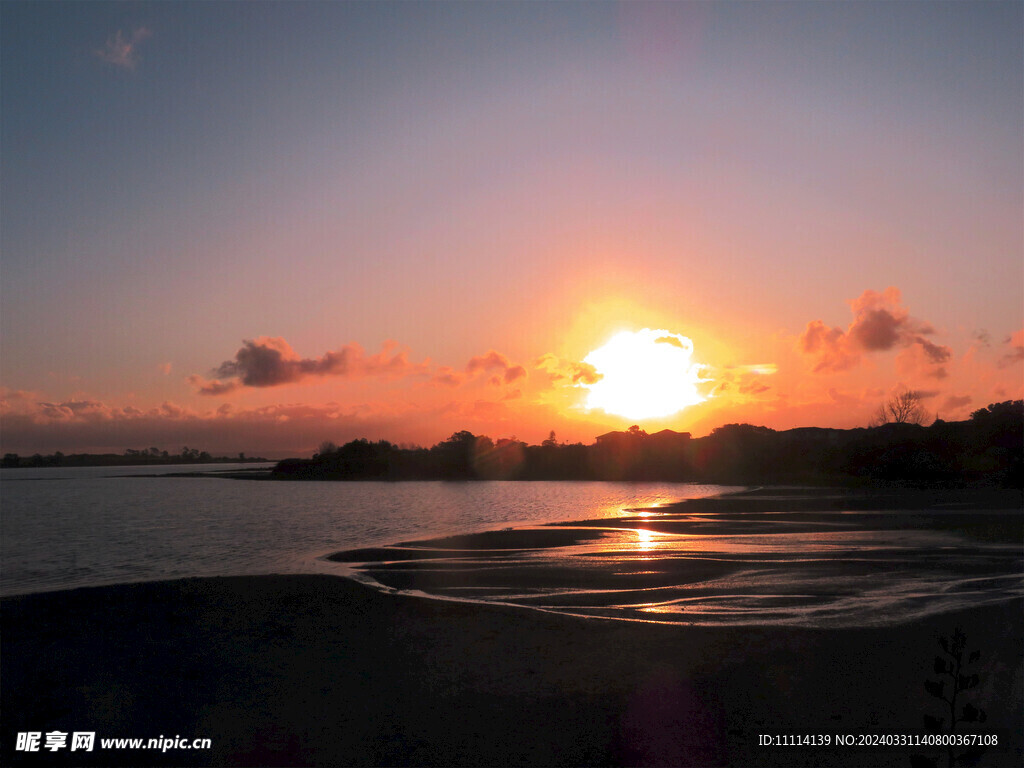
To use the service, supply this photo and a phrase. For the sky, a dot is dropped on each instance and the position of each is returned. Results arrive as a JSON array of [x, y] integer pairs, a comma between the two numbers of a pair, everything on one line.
[[259, 226]]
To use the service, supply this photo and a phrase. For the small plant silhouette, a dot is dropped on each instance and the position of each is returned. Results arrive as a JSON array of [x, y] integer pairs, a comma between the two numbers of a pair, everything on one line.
[[953, 670]]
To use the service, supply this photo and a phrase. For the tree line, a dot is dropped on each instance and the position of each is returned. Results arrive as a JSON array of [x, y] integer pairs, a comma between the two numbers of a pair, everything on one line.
[[985, 450], [130, 457]]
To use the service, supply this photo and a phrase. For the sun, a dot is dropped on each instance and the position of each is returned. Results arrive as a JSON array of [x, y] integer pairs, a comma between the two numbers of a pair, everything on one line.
[[645, 374]]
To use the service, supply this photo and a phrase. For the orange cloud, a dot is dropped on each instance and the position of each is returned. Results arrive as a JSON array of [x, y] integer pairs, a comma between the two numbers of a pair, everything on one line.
[[829, 346], [495, 361], [271, 362], [206, 387], [90, 425], [14, 400], [746, 381], [1016, 352], [923, 357], [879, 324], [447, 377], [561, 370], [956, 403]]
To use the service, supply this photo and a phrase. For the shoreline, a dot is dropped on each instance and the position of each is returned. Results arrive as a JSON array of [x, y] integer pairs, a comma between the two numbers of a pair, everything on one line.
[[309, 670], [756, 557]]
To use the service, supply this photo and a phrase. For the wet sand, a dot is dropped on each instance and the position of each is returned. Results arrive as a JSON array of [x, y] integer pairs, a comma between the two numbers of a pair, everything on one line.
[[319, 670], [811, 558]]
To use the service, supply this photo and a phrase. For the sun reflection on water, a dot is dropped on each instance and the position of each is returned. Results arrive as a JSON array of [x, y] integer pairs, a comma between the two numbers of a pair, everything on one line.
[[726, 567], [644, 540]]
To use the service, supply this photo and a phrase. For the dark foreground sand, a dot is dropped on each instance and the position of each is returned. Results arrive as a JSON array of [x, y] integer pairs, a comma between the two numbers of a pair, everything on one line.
[[319, 670]]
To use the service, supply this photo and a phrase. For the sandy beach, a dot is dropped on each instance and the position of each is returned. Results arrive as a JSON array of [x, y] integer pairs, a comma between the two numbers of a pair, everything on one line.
[[319, 670]]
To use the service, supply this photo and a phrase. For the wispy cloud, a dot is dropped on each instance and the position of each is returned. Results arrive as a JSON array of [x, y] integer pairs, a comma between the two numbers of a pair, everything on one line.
[[742, 382], [84, 424], [123, 51], [1016, 349], [207, 387]]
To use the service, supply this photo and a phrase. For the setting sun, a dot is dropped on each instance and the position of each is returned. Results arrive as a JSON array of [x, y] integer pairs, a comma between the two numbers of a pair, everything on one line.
[[644, 374]]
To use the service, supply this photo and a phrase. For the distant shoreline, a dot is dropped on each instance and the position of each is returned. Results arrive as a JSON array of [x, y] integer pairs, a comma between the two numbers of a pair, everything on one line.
[[115, 460]]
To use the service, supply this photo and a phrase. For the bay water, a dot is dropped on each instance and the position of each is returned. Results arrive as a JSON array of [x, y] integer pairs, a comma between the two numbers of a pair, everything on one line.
[[86, 526]]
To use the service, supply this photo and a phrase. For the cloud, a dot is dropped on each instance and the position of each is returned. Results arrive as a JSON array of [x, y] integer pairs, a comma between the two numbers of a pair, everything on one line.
[[955, 403], [1016, 353], [164, 368], [15, 400], [741, 379], [447, 377], [921, 356], [829, 346], [880, 323], [27, 406], [576, 373], [934, 353], [496, 362], [878, 319], [843, 398], [207, 387], [670, 340], [121, 51], [94, 426], [271, 362]]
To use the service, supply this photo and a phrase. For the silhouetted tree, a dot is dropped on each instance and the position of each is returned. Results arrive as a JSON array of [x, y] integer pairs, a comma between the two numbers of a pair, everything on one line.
[[455, 455], [988, 450], [997, 443], [326, 447], [903, 408]]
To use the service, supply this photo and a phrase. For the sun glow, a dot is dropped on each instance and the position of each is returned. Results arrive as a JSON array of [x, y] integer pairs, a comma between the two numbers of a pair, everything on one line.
[[644, 374]]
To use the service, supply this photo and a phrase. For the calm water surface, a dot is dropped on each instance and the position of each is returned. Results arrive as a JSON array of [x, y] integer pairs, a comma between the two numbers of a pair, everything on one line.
[[75, 527], [768, 557]]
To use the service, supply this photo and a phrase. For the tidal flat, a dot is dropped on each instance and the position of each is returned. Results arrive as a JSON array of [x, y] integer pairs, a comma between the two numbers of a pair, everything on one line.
[[802, 557], [321, 670]]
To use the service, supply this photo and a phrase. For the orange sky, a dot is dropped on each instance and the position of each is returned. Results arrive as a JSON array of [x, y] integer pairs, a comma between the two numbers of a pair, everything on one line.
[[240, 228], [268, 397]]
